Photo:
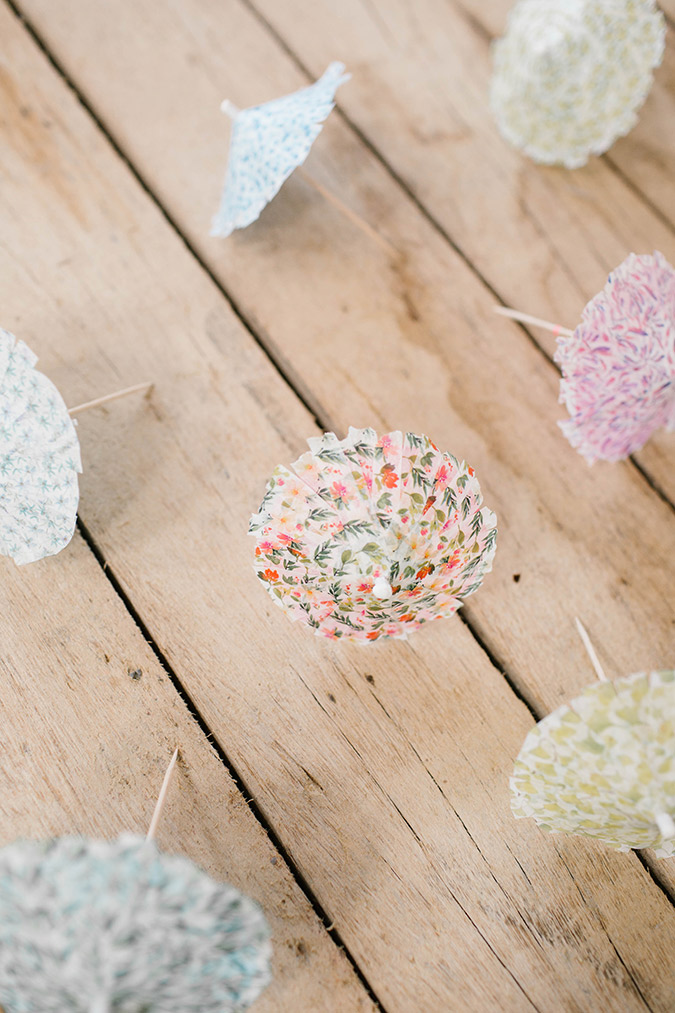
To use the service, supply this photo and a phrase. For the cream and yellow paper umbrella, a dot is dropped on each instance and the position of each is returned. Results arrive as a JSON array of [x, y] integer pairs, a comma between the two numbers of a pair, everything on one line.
[[570, 75], [603, 766], [371, 537]]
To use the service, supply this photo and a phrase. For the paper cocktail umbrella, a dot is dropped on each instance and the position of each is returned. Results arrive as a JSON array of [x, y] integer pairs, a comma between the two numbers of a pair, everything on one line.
[[268, 143], [118, 927], [570, 75], [618, 366], [39, 457], [370, 537], [603, 766]]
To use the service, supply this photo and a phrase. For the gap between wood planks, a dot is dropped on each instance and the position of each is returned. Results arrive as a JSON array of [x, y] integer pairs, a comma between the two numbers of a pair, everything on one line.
[[439, 228], [239, 782], [322, 419], [315, 409]]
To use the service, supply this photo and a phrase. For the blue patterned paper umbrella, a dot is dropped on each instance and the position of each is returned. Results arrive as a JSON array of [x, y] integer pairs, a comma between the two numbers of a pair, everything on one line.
[[118, 927], [268, 142], [39, 459]]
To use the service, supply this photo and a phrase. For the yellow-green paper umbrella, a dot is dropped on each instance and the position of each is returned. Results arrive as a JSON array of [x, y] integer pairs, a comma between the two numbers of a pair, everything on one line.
[[604, 765]]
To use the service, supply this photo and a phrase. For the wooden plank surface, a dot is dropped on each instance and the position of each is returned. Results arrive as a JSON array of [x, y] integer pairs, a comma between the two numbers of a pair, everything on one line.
[[384, 777], [554, 234], [85, 747], [413, 345]]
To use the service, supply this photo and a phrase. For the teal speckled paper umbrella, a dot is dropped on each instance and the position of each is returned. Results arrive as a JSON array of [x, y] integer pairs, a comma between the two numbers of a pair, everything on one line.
[[39, 457], [603, 765], [118, 927], [268, 143]]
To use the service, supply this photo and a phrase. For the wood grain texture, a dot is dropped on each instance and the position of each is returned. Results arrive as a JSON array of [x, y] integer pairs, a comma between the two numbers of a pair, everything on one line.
[[383, 771], [542, 237], [85, 747], [412, 344]]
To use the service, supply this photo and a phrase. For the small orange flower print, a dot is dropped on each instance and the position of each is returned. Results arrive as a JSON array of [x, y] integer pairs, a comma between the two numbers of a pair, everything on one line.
[[408, 619], [424, 571], [373, 635], [389, 476], [428, 505], [270, 575]]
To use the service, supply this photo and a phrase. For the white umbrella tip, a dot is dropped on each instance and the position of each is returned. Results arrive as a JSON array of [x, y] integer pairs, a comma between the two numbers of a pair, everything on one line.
[[382, 588], [666, 825]]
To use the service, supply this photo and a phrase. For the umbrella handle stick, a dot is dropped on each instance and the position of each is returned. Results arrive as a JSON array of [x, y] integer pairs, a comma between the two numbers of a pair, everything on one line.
[[154, 822], [590, 650], [355, 219], [147, 387], [525, 318]]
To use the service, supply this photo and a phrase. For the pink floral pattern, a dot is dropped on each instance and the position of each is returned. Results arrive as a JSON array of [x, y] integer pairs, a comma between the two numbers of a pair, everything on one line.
[[619, 365], [354, 510]]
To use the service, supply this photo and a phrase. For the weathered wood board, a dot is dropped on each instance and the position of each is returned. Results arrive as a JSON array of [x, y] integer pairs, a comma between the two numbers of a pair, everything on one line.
[[86, 744], [384, 772]]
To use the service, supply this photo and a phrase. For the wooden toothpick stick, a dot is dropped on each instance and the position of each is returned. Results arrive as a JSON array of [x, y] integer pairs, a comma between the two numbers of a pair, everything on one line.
[[525, 318], [86, 405], [590, 650], [162, 797], [232, 110], [111, 397]]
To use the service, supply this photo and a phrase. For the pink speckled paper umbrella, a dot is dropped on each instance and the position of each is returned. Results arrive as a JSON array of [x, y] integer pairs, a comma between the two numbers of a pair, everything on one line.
[[371, 537], [619, 364]]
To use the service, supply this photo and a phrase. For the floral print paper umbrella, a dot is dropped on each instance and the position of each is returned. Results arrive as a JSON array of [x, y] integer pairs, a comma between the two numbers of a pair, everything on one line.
[[268, 142], [619, 364], [603, 766], [570, 75], [370, 537], [100, 926], [39, 459]]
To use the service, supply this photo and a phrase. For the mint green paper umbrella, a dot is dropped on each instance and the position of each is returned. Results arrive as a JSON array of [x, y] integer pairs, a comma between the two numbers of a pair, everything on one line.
[[91, 926], [603, 765]]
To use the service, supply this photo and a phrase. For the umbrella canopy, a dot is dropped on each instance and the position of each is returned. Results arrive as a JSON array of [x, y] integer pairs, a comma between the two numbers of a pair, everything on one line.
[[619, 364], [370, 537], [603, 766], [39, 459], [95, 926], [570, 75], [267, 143]]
